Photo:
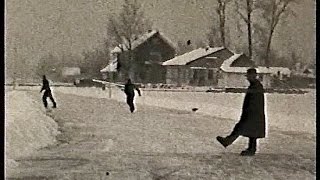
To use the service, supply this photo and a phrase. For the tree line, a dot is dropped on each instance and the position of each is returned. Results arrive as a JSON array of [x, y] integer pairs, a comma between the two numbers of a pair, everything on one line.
[[259, 16]]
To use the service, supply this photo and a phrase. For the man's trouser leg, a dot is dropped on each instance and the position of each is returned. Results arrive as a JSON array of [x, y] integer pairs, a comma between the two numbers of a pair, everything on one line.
[[232, 137], [234, 134], [44, 100], [130, 103], [52, 100], [252, 144]]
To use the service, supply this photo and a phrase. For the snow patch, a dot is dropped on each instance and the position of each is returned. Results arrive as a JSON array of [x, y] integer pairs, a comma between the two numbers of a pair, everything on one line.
[[27, 127]]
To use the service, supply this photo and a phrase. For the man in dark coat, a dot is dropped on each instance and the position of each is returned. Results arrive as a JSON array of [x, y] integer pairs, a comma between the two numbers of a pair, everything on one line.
[[252, 121], [129, 90], [47, 93]]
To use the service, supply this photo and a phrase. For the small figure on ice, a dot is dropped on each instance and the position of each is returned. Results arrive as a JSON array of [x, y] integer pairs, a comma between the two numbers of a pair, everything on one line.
[[252, 120], [129, 90], [47, 93]]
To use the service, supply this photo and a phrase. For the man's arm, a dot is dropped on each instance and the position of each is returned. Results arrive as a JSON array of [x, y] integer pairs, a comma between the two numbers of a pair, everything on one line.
[[42, 87], [257, 88], [138, 90]]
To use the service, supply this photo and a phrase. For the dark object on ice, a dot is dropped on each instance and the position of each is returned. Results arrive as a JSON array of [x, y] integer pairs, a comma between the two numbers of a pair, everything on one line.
[[189, 42], [129, 90], [194, 109], [252, 120], [107, 173], [47, 93]]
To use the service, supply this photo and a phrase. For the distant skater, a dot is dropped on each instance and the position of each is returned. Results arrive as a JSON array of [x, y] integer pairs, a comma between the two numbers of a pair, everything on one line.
[[47, 93], [252, 120], [129, 90]]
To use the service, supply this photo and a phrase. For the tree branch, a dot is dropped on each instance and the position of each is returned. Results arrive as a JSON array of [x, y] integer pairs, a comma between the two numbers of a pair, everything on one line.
[[243, 17], [280, 12]]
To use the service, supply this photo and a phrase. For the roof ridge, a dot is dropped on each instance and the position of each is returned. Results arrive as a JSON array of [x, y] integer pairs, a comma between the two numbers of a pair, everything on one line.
[[143, 38], [191, 56]]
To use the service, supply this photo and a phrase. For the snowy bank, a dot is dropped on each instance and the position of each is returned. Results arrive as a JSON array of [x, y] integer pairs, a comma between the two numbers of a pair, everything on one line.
[[287, 112], [27, 127]]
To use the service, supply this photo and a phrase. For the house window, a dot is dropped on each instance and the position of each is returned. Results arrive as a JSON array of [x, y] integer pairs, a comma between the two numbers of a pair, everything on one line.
[[210, 74], [219, 74], [195, 74], [155, 56]]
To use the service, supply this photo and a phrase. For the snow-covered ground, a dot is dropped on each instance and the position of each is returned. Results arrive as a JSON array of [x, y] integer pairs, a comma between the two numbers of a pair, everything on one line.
[[27, 127], [102, 136], [288, 112]]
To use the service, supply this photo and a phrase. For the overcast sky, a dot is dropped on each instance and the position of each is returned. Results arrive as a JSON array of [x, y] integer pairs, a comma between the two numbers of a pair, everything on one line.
[[37, 27]]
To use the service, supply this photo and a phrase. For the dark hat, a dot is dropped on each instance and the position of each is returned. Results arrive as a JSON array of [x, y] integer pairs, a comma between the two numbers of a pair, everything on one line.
[[251, 71]]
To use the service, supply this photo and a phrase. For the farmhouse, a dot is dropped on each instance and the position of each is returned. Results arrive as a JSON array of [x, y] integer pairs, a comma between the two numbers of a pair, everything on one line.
[[233, 72], [149, 51], [198, 67], [70, 73]]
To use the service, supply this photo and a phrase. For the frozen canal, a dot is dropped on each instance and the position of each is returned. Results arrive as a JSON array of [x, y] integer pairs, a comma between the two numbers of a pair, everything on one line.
[[100, 139]]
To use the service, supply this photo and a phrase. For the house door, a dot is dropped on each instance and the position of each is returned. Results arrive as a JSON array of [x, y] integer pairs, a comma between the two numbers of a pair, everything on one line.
[[195, 77]]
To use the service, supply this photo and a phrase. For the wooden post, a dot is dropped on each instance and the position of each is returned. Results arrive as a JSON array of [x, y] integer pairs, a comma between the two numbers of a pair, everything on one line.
[[14, 69], [109, 86]]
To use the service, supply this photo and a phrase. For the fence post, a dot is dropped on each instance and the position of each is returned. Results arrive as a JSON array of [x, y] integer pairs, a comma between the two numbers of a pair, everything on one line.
[[109, 86]]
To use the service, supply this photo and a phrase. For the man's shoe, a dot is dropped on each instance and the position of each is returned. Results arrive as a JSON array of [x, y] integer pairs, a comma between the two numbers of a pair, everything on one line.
[[248, 152], [54, 106], [223, 141]]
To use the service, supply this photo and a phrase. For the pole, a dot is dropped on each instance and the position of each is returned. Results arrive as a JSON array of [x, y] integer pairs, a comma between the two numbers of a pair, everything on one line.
[[109, 85], [14, 69]]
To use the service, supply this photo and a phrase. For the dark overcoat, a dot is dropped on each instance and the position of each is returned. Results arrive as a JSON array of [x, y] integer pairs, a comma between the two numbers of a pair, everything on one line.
[[252, 121]]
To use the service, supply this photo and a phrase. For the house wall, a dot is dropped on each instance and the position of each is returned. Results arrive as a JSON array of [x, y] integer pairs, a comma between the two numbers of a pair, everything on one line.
[[184, 75], [148, 58], [70, 71], [178, 75], [239, 80]]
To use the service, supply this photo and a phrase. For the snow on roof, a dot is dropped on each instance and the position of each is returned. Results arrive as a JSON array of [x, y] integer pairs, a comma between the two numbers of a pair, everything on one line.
[[112, 67], [226, 67], [140, 40], [191, 56], [227, 63]]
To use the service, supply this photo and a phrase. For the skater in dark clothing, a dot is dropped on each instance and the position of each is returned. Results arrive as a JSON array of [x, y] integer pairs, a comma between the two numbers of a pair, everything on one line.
[[47, 93], [129, 90], [252, 121]]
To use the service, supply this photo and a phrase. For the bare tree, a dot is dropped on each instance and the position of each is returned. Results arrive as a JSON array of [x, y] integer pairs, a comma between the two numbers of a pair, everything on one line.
[[213, 36], [273, 11], [93, 61], [217, 34], [247, 19], [125, 28], [221, 10]]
